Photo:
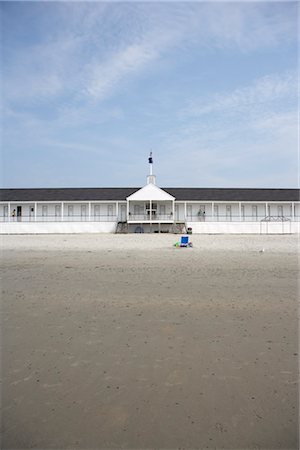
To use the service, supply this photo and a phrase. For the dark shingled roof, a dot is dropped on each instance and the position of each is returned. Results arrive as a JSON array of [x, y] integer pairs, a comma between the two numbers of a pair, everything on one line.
[[113, 194]]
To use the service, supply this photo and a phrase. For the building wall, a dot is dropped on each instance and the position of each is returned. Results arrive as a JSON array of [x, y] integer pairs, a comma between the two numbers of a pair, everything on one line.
[[287, 227], [57, 227], [106, 212]]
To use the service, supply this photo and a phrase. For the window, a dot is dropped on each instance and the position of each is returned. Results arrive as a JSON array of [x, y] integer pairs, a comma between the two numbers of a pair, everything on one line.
[[153, 209], [280, 211], [44, 210], [83, 210], [70, 210]]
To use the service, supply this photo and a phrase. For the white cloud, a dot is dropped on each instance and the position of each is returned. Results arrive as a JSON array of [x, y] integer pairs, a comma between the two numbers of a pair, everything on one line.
[[262, 91], [105, 76], [98, 45]]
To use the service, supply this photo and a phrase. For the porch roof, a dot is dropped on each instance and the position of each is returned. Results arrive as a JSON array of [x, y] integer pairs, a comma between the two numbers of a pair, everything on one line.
[[150, 192]]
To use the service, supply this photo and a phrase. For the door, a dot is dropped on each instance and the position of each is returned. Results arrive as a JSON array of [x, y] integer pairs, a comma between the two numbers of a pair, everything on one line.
[[216, 212], [110, 211], [243, 213], [254, 213], [19, 213], [123, 213], [189, 212], [228, 212], [31, 213], [162, 212], [57, 212], [70, 212], [83, 212], [202, 213], [97, 212], [280, 211], [44, 212]]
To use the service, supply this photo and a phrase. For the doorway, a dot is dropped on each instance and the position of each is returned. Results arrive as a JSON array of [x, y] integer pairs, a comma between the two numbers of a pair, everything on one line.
[[57, 212], [123, 213], [19, 213], [228, 213]]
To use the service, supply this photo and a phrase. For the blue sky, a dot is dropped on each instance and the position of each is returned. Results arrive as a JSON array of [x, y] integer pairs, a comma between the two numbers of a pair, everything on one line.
[[88, 89]]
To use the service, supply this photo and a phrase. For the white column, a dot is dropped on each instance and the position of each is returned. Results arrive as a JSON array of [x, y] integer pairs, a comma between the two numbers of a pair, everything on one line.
[[62, 211], [117, 210], [267, 209], [35, 211], [240, 211], [89, 207], [150, 208], [8, 211], [185, 211], [212, 211], [293, 211], [173, 205]]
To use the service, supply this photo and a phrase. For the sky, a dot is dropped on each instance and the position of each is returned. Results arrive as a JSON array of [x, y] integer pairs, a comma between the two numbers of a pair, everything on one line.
[[90, 88]]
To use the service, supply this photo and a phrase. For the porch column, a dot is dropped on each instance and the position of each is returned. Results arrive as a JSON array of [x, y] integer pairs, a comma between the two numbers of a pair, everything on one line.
[[8, 211], [35, 211], [62, 211], [293, 211], [185, 211], [117, 210], [173, 209], [89, 211], [150, 211], [240, 211], [212, 211]]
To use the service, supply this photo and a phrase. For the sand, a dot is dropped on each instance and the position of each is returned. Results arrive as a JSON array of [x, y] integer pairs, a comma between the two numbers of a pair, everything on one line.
[[125, 342]]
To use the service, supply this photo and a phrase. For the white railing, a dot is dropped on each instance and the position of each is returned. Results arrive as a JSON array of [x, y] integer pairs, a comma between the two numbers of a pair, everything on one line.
[[53, 218], [146, 218]]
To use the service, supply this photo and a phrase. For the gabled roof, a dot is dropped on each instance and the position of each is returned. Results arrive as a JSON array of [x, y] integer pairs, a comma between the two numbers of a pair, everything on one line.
[[120, 194], [150, 192]]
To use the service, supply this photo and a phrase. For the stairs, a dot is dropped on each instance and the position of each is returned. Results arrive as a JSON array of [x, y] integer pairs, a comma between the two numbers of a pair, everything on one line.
[[179, 228], [122, 227]]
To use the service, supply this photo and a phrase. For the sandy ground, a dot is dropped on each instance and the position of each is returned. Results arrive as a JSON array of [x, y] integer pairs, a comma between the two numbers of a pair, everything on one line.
[[125, 342]]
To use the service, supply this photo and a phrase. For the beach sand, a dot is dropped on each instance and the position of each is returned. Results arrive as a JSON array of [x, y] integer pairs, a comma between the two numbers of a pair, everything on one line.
[[125, 342]]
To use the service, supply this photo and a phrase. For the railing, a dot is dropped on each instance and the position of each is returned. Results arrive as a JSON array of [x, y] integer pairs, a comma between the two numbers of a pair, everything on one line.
[[146, 217], [53, 218], [232, 218]]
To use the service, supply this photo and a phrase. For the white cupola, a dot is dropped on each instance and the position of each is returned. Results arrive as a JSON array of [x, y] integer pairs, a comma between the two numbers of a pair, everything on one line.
[[151, 179]]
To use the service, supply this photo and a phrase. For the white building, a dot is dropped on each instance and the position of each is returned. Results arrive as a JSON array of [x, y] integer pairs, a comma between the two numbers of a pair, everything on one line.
[[149, 209]]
